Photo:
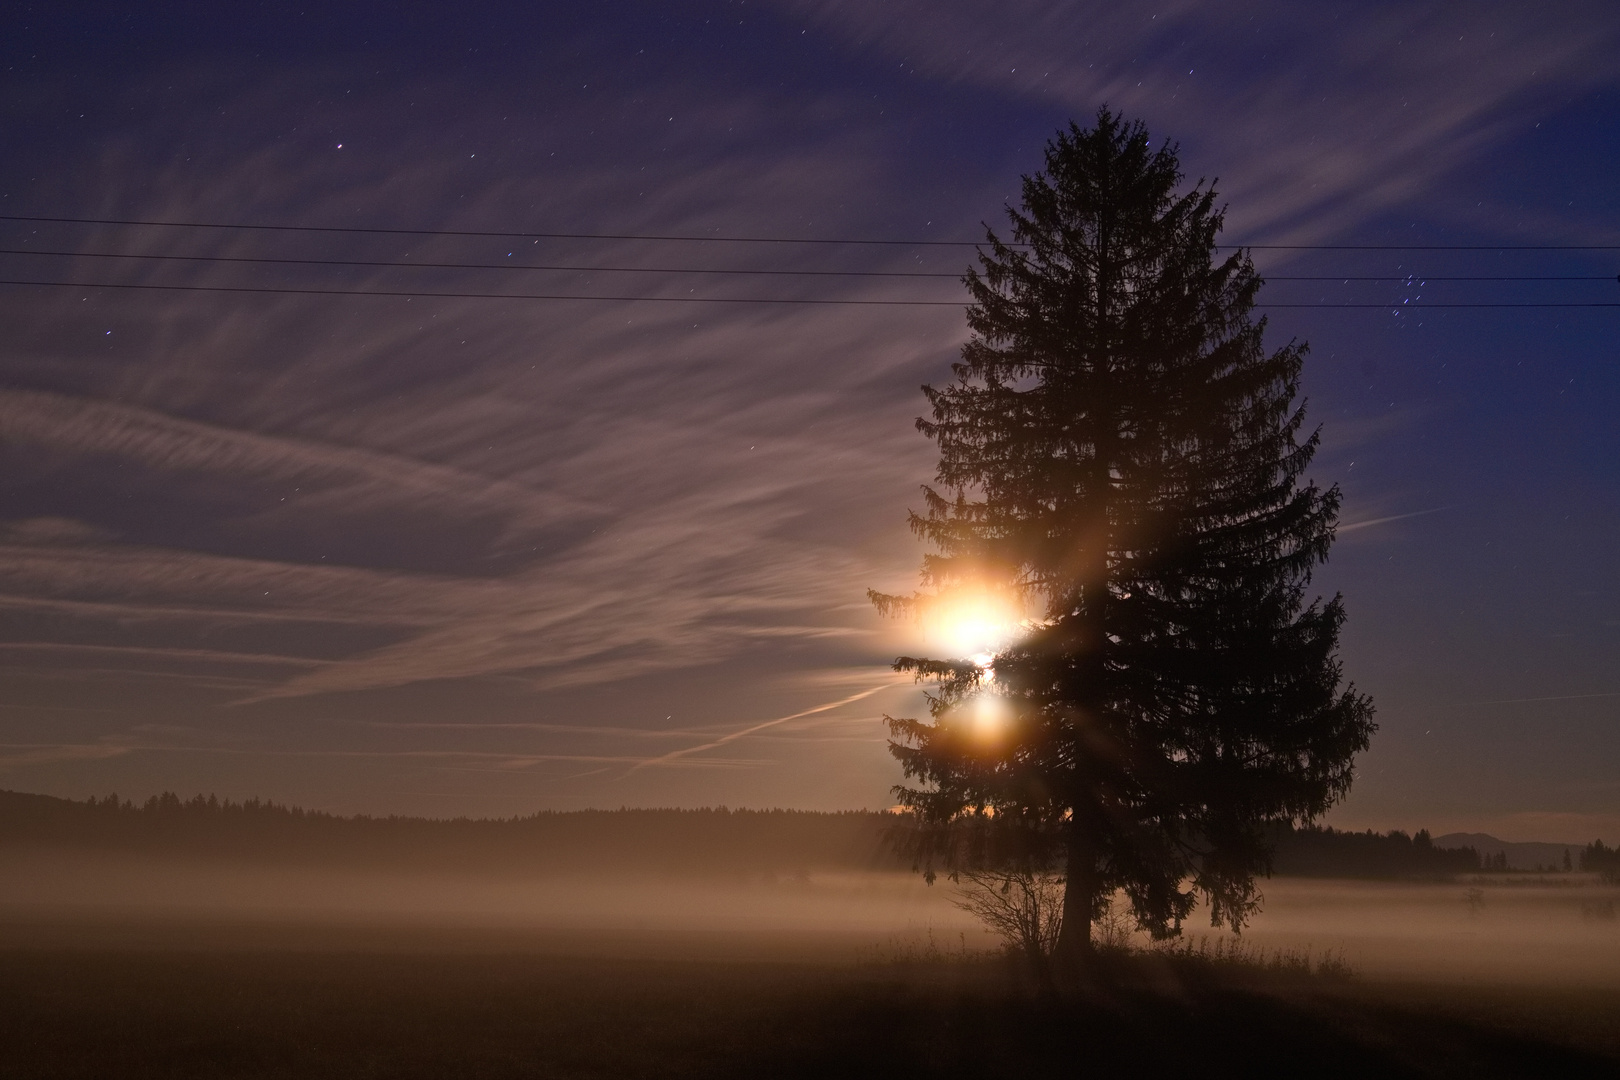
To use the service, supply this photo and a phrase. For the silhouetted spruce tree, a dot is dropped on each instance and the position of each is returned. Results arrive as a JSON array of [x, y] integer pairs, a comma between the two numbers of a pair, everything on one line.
[[1119, 450]]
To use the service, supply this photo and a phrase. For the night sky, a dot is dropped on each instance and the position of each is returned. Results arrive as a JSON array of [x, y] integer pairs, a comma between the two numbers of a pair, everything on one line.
[[406, 554]]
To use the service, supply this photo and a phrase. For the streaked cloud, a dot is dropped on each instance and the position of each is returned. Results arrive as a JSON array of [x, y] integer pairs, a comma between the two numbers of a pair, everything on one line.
[[1368, 523], [1327, 114]]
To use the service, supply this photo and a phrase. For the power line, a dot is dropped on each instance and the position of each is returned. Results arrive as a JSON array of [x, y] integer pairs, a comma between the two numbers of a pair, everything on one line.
[[1423, 278], [1421, 247], [491, 266], [519, 234], [418, 294], [746, 271], [1419, 307], [505, 234]]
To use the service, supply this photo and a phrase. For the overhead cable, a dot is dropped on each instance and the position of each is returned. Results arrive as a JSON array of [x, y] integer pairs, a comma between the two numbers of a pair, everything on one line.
[[744, 271], [514, 234], [418, 294]]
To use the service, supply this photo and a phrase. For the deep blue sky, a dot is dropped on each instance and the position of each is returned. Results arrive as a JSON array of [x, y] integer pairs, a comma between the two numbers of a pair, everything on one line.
[[466, 556]]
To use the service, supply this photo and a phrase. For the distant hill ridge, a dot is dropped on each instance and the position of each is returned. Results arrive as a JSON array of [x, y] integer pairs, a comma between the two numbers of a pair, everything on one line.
[[706, 841], [1525, 855]]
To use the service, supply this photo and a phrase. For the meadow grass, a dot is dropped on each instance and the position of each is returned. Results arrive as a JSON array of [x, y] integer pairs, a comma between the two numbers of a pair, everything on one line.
[[263, 1013]]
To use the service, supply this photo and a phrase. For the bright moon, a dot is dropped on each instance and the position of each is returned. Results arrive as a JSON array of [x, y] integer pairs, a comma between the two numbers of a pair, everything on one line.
[[975, 627]]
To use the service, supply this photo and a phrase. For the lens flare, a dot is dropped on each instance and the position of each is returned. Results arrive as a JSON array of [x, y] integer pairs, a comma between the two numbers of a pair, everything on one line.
[[990, 716], [975, 626]]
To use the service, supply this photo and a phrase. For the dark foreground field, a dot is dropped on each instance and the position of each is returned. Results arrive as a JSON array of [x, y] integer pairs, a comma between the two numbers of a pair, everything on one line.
[[219, 1013]]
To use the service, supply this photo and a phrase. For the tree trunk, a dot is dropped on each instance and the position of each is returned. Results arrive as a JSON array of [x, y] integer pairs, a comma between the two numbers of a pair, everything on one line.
[[1074, 951]]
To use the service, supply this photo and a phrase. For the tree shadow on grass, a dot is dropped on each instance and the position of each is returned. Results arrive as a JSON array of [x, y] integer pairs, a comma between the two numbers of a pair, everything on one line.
[[310, 1016], [1149, 1020]]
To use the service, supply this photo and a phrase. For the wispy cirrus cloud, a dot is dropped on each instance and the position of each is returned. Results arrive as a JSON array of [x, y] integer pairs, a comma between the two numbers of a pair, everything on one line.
[[1368, 523], [340, 479], [18, 755], [1316, 117], [580, 492], [21, 755], [681, 582]]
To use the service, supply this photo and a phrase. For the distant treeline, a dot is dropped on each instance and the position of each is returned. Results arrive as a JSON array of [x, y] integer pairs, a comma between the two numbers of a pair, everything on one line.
[[710, 841], [1315, 851], [1597, 859], [705, 841]]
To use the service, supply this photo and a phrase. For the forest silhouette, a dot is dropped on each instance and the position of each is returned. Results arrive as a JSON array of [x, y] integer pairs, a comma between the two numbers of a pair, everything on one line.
[[665, 841]]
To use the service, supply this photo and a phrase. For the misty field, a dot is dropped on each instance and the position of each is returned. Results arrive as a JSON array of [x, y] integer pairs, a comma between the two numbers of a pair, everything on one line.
[[1523, 929], [159, 967]]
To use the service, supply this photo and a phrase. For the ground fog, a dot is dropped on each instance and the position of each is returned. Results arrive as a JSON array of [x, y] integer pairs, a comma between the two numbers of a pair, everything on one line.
[[1557, 929]]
